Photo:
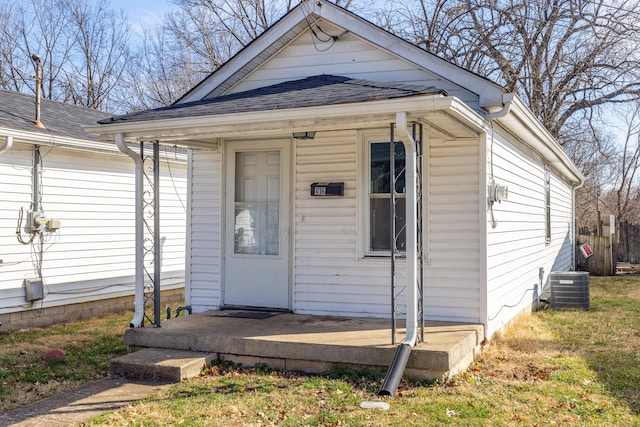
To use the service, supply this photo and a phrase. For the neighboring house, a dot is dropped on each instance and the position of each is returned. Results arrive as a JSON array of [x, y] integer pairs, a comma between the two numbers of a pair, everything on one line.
[[498, 190], [75, 254]]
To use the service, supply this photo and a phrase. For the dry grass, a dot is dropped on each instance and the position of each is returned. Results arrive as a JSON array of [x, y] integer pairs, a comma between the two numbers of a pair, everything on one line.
[[552, 368], [520, 351], [89, 345]]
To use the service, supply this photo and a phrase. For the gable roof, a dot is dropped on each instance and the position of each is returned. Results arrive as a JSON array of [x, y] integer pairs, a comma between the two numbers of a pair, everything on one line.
[[296, 21], [17, 112], [310, 92], [229, 103]]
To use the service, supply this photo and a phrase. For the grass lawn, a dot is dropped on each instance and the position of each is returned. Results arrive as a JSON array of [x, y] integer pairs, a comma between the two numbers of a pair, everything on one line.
[[562, 368], [88, 345]]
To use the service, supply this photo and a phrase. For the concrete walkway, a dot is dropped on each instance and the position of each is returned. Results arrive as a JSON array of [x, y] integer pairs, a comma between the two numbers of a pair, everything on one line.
[[76, 406]]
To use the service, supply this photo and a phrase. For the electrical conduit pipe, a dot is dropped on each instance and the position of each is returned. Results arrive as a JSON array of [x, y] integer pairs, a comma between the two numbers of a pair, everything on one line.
[[138, 301], [403, 351]]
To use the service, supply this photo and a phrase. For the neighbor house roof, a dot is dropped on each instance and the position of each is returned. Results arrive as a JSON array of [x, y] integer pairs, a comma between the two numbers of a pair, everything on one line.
[[309, 92], [17, 112]]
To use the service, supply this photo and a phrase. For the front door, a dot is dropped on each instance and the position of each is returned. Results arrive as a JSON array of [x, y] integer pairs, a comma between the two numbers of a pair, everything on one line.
[[257, 224]]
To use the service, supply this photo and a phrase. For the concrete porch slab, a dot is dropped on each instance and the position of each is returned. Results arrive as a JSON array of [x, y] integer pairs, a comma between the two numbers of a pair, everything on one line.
[[314, 343]]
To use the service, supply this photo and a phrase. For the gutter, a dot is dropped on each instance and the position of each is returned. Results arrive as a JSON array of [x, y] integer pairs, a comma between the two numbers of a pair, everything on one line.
[[403, 351], [322, 117], [139, 227], [549, 146], [8, 143], [61, 141]]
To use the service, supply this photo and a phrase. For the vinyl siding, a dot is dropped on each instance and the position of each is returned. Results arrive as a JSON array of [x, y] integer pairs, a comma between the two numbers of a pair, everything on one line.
[[452, 244], [205, 237], [516, 247], [331, 275], [329, 278], [350, 56], [92, 256]]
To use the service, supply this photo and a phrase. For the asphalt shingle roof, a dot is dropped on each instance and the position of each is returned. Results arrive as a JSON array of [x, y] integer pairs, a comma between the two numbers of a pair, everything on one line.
[[309, 92], [17, 111]]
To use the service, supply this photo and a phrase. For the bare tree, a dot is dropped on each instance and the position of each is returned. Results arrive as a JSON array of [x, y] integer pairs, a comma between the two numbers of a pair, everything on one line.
[[193, 41], [100, 49], [158, 73], [11, 74], [432, 25], [214, 30], [37, 26], [561, 56], [595, 153], [82, 49], [623, 189]]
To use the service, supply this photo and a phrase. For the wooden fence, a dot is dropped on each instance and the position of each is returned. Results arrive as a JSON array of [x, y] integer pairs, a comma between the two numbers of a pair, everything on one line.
[[628, 244], [604, 259]]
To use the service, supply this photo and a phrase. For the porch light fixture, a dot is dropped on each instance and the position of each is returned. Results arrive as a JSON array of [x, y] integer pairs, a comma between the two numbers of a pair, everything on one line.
[[310, 134]]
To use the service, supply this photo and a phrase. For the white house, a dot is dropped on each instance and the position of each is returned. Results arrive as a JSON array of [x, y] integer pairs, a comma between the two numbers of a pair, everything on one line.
[[293, 109], [66, 217]]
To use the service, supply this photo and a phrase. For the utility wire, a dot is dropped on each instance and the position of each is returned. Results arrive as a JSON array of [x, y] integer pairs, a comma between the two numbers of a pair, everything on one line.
[[512, 305], [175, 188], [332, 39]]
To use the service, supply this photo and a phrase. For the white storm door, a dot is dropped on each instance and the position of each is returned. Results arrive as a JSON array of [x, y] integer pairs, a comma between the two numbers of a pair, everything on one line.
[[257, 225]]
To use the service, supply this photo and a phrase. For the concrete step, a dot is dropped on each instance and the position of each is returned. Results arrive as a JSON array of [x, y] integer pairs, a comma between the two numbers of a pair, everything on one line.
[[160, 364]]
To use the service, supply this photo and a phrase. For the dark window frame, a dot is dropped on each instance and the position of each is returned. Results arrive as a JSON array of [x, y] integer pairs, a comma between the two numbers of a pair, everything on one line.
[[379, 197]]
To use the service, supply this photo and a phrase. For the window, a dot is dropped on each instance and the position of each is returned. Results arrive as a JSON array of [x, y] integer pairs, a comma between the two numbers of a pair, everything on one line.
[[547, 207], [379, 197]]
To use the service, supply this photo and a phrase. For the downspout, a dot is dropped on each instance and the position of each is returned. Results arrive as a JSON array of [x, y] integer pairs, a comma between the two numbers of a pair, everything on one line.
[[403, 351], [8, 143], [138, 302], [573, 220], [507, 99]]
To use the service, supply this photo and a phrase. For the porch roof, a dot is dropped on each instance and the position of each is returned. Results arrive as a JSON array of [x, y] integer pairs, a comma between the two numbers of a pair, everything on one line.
[[309, 92]]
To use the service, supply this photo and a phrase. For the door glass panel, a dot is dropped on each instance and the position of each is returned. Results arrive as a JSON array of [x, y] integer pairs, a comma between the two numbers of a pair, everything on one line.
[[257, 203]]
